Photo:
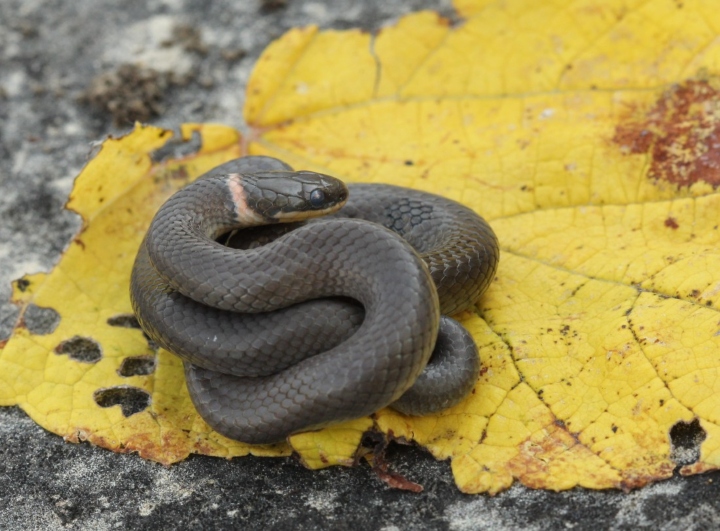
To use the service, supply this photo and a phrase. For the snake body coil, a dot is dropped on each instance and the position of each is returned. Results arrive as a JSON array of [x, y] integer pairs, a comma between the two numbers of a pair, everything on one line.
[[331, 321]]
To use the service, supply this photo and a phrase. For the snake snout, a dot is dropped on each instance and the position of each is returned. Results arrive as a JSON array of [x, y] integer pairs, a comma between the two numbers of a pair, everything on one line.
[[284, 196]]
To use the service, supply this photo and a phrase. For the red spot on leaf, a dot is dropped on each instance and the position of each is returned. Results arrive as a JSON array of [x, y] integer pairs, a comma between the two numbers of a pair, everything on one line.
[[671, 223], [680, 133]]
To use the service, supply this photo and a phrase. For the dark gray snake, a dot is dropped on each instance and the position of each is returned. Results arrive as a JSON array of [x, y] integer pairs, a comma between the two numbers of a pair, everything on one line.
[[331, 320]]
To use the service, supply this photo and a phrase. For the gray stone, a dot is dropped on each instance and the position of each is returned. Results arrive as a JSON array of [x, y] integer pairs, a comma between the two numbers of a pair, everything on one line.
[[49, 54]]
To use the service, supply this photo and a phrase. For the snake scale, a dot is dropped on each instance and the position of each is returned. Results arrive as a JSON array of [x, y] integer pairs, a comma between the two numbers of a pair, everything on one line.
[[283, 331]]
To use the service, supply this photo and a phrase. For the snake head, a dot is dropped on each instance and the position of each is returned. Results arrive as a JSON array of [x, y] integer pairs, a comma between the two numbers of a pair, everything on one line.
[[285, 196]]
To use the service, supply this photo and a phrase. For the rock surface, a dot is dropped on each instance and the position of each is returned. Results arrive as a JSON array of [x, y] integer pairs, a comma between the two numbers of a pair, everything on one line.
[[64, 84]]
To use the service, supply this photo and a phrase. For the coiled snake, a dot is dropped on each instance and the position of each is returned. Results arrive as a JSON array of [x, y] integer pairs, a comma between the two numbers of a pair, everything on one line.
[[330, 321]]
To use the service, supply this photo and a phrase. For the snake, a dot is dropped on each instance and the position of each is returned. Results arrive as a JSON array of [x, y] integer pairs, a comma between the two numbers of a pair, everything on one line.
[[296, 301]]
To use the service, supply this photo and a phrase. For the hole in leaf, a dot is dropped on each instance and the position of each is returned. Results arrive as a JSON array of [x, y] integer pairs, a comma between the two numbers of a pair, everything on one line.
[[128, 320], [22, 284], [151, 342], [81, 349], [130, 399], [137, 366], [686, 438], [177, 148], [124, 320], [39, 320], [375, 440]]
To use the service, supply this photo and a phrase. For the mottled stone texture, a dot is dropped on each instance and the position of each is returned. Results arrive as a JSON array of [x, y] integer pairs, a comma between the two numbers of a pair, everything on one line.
[[195, 70]]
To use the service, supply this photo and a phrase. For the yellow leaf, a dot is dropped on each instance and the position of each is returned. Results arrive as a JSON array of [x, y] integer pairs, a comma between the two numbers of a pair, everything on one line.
[[24, 288], [336, 445], [79, 380], [586, 132]]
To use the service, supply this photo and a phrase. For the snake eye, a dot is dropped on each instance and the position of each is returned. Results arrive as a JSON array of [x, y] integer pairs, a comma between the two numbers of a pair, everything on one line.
[[317, 198]]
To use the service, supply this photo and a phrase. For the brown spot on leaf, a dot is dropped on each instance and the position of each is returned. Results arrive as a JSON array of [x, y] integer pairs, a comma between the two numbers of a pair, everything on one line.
[[671, 223], [534, 462], [697, 468], [681, 133], [636, 478]]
